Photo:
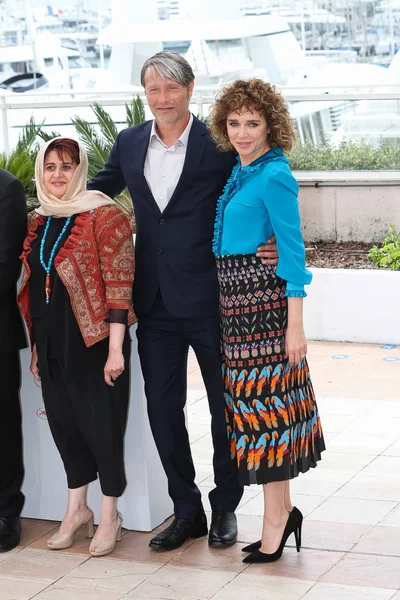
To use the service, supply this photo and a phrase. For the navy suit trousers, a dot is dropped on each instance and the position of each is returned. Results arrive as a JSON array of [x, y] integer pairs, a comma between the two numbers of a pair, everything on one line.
[[11, 463], [163, 342]]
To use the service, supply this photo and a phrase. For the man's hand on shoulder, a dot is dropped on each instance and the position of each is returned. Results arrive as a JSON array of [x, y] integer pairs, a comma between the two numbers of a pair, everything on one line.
[[269, 252]]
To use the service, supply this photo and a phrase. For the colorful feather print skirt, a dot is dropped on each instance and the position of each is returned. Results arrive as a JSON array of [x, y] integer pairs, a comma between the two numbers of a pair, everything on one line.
[[271, 413]]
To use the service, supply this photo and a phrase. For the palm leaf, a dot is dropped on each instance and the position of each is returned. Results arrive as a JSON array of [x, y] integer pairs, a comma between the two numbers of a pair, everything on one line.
[[28, 137], [107, 126], [46, 136], [97, 149], [21, 164], [135, 113], [125, 202], [98, 140]]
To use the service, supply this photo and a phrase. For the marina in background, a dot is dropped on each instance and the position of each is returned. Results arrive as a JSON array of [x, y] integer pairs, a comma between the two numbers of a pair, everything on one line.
[[93, 50]]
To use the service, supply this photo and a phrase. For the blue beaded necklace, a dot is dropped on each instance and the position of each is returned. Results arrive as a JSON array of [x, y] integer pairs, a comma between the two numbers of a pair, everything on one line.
[[47, 268]]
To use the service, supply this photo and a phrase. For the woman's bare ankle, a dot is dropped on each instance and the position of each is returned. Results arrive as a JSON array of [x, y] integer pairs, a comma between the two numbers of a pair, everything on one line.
[[76, 509], [277, 519], [109, 518]]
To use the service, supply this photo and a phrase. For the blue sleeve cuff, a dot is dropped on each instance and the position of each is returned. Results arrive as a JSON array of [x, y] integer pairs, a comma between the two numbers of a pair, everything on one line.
[[294, 290], [294, 294]]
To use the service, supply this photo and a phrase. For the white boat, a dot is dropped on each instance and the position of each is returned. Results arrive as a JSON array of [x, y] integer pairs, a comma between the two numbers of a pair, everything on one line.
[[30, 66], [374, 121], [222, 50], [31, 56]]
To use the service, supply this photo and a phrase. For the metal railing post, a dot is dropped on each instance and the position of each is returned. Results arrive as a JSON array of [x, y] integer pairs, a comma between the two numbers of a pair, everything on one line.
[[200, 111], [4, 124]]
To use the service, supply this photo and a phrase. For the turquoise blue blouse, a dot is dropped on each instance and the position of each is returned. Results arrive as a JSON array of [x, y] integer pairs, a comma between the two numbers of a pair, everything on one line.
[[259, 201]]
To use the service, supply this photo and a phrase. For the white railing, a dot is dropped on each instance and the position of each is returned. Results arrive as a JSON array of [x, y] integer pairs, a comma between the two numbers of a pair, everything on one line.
[[338, 56], [17, 108]]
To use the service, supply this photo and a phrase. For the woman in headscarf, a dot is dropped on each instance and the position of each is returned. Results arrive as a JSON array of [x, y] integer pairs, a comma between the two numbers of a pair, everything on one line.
[[76, 299]]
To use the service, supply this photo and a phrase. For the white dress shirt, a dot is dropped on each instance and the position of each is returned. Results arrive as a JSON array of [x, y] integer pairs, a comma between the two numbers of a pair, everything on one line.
[[163, 166]]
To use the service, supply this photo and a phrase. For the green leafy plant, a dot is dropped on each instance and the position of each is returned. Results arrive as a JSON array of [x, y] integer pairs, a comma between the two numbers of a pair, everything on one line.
[[135, 113], [22, 165], [347, 156], [20, 162], [96, 143], [388, 254], [99, 138], [46, 136]]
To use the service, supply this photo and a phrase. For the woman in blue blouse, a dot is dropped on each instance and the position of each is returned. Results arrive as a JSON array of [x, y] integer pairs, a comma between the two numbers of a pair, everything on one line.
[[271, 413]]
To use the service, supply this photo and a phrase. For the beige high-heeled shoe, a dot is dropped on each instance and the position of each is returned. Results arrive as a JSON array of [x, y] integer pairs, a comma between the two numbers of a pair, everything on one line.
[[59, 541], [107, 546]]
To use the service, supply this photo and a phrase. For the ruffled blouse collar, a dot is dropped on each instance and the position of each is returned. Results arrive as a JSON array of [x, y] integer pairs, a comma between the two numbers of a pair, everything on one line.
[[272, 154]]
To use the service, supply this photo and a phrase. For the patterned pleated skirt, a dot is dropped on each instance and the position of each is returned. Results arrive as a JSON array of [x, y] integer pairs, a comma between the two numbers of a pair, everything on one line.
[[271, 412]]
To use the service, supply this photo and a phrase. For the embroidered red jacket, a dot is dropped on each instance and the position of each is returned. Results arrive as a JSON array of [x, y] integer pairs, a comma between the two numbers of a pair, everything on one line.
[[96, 265]]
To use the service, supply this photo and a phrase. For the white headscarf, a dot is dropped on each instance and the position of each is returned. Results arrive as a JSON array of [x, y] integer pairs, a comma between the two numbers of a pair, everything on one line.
[[77, 198]]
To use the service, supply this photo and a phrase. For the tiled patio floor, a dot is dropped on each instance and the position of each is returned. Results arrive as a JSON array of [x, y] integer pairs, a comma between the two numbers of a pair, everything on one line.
[[351, 536]]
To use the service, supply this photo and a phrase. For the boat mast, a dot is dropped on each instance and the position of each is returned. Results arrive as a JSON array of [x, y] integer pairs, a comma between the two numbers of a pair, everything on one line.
[[99, 27], [212, 9], [32, 36]]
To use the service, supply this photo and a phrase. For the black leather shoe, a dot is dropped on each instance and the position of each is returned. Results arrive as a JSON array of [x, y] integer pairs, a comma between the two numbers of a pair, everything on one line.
[[10, 533], [223, 530], [178, 532]]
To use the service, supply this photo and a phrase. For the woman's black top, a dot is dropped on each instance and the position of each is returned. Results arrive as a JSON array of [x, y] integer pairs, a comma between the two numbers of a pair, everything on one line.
[[55, 330]]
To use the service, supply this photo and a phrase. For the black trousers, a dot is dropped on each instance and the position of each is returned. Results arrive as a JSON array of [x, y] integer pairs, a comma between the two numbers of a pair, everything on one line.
[[163, 343], [11, 461], [88, 419]]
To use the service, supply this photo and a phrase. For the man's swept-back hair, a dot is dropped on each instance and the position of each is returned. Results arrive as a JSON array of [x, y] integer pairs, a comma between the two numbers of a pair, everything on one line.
[[170, 65]]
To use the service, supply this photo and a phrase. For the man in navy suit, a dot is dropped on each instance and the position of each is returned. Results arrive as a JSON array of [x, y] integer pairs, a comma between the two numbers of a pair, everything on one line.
[[175, 175], [13, 219]]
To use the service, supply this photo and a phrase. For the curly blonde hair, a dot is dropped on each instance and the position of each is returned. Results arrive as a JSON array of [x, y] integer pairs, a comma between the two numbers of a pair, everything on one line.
[[252, 94]]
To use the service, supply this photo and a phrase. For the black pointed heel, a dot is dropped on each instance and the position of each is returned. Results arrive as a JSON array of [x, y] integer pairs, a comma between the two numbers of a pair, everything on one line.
[[257, 545], [297, 536], [292, 526], [252, 547]]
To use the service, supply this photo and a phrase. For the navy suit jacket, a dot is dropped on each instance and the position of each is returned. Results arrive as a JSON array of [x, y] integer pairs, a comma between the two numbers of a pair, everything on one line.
[[13, 225], [173, 248]]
